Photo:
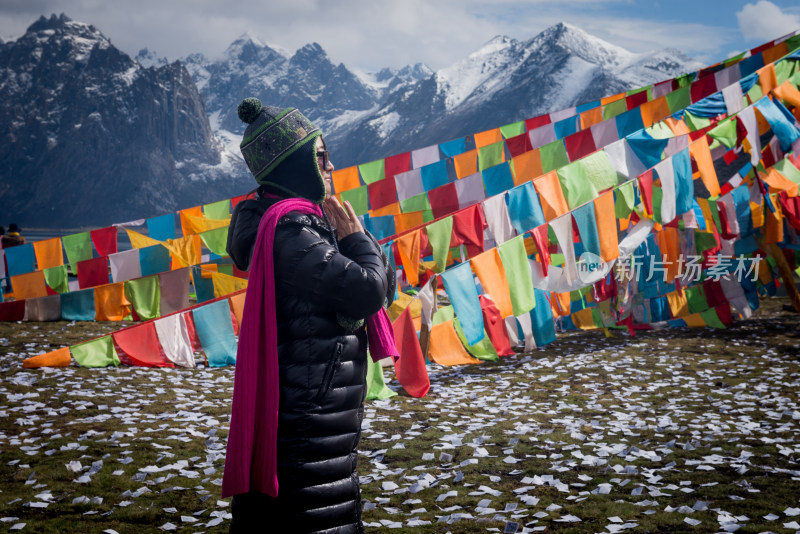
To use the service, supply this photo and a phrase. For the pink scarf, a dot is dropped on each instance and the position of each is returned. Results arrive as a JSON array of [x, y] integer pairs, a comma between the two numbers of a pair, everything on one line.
[[251, 458]]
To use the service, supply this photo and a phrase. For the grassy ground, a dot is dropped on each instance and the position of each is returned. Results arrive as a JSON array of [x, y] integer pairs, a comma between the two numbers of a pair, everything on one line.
[[677, 430]]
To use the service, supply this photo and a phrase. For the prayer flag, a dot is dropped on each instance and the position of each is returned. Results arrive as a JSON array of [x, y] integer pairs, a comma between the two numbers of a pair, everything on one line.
[[105, 240], [215, 331], [173, 336], [160, 228], [93, 272], [48, 253], [110, 303], [78, 305], [409, 248], [29, 285], [144, 295], [524, 209], [489, 268], [518, 274], [439, 234], [57, 358], [21, 259], [140, 344], [445, 347], [463, 295], [98, 352], [376, 386]]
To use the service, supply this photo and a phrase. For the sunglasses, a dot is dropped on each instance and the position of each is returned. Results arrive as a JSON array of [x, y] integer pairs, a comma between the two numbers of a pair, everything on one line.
[[325, 158]]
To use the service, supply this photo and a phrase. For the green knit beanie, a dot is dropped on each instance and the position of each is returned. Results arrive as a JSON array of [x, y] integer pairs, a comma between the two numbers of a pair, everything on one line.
[[279, 147]]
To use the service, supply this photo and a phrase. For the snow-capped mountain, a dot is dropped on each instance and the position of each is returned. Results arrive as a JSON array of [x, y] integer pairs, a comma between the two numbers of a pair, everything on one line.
[[328, 94], [504, 81], [368, 116], [92, 137]]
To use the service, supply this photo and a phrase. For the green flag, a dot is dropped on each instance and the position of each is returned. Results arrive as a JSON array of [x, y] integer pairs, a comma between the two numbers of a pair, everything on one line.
[[215, 240], [512, 130], [376, 386], [612, 109], [679, 99], [553, 155], [218, 210], [624, 197], [56, 278], [144, 295], [599, 170], [518, 275], [78, 248], [372, 172], [483, 349], [443, 314], [98, 352], [696, 123], [357, 198], [439, 234], [418, 202], [490, 155], [696, 299], [575, 184], [725, 133], [711, 318]]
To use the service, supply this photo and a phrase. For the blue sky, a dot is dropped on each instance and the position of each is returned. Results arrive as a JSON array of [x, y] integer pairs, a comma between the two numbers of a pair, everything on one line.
[[371, 34]]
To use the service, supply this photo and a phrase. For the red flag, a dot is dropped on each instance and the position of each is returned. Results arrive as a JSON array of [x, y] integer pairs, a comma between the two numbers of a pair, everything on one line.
[[410, 367], [468, 227], [105, 240], [495, 327], [140, 344]]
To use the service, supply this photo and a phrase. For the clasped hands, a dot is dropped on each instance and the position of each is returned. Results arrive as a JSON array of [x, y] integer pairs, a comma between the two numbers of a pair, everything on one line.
[[343, 218]]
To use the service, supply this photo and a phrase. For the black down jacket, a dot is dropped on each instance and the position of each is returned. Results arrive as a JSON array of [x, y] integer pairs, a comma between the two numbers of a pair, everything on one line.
[[322, 375]]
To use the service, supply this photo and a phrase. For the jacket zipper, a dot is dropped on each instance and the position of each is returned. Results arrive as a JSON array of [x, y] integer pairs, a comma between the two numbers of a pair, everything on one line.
[[327, 378]]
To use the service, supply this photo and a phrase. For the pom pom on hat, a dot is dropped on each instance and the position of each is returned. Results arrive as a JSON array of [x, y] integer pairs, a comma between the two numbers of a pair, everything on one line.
[[249, 109]]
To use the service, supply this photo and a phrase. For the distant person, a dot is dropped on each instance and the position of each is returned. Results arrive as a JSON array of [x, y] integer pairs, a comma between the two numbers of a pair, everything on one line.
[[13, 238], [318, 285]]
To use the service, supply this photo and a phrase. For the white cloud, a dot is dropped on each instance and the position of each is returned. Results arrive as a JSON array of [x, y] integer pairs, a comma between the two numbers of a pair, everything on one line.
[[764, 21]]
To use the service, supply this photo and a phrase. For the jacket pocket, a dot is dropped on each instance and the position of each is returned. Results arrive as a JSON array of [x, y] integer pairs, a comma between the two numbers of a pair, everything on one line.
[[330, 369]]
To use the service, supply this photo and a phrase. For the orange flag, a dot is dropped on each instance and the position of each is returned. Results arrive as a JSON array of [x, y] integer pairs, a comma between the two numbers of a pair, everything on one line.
[[29, 285], [48, 253], [110, 303], [767, 78], [186, 225], [345, 179], [654, 110], [788, 92], [606, 226], [488, 137], [705, 165], [185, 251], [551, 196], [446, 348], [409, 368], [237, 305], [668, 242], [466, 164], [779, 182], [57, 358], [408, 245], [527, 166], [492, 275]]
